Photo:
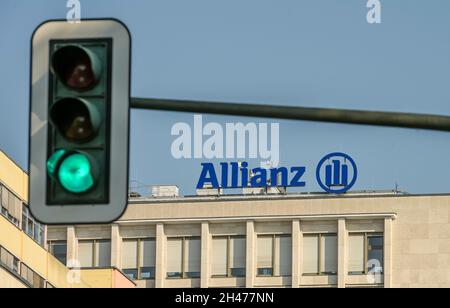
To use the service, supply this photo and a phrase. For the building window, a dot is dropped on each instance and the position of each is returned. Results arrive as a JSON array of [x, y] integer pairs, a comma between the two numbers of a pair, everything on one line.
[[365, 253], [375, 252], [192, 257], [320, 254], [139, 258], [175, 258], [59, 250], [9, 261], [229, 256], [94, 253], [130, 258], [32, 278], [183, 257], [31, 227], [11, 206], [238, 256], [274, 255], [147, 259]]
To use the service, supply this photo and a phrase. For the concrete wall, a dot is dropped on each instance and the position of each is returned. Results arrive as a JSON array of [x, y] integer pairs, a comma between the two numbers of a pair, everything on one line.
[[420, 243]]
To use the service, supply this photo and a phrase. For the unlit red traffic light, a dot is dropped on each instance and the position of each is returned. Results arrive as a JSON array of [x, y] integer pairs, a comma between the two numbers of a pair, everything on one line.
[[78, 68]]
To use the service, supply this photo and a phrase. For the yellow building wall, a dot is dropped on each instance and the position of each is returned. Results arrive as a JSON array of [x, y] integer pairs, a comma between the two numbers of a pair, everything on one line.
[[98, 278], [10, 237], [28, 251], [13, 177], [7, 281], [34, 256]]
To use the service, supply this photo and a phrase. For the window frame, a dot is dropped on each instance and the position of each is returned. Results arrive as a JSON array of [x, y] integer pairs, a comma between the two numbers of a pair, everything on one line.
[[274, 252], [35, 277], [6, 211], [138, 258], [367, 235], [320, 264], [184, 264], [30, 232], [50, 245], [229, 239], [15, 261], [95, 252]]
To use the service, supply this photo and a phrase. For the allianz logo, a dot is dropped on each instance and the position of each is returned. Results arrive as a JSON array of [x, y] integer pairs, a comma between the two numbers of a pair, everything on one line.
[[335, 173]]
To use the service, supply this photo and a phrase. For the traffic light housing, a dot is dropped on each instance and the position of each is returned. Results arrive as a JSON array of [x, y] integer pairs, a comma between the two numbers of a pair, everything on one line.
[[79, 123]]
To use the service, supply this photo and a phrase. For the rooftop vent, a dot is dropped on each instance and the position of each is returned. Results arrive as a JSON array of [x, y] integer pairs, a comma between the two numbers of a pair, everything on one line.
[[264, 190], [165, 191], [267, 190], [208, 190], [133, 194]]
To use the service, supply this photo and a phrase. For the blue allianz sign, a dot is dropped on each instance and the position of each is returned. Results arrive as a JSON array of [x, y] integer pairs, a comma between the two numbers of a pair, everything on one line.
[[336, 173]]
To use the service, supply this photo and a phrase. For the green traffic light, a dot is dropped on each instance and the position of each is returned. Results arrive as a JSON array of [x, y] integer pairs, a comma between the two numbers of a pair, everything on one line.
[[52, 163], [75, 174]]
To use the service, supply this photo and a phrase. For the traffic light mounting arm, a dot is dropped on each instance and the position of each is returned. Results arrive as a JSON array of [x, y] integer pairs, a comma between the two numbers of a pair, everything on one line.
[[376, 118]]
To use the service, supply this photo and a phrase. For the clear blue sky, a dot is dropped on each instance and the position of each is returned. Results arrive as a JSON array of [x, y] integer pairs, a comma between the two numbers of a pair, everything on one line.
[[311, 52]]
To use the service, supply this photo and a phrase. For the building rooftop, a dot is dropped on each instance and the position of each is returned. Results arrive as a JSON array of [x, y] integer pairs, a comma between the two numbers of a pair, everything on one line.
[[137, 199]]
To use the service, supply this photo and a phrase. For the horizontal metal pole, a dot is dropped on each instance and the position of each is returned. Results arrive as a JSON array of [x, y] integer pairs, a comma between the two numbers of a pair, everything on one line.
[[391, 119]]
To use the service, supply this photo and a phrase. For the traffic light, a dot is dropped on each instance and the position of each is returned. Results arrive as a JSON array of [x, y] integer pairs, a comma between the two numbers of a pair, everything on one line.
[[79, 123]]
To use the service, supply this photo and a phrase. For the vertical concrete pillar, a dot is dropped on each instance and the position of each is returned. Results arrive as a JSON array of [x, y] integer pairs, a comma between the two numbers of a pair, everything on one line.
[[116, 247], [160, 271], [205, 256], [296, 275], [388, 252], [45, 239], [251, 253], [72, 247], [342, 253]]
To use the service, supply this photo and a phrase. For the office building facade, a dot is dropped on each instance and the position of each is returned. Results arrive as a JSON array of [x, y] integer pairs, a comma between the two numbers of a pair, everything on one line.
[[272, 240], [260, 238]]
